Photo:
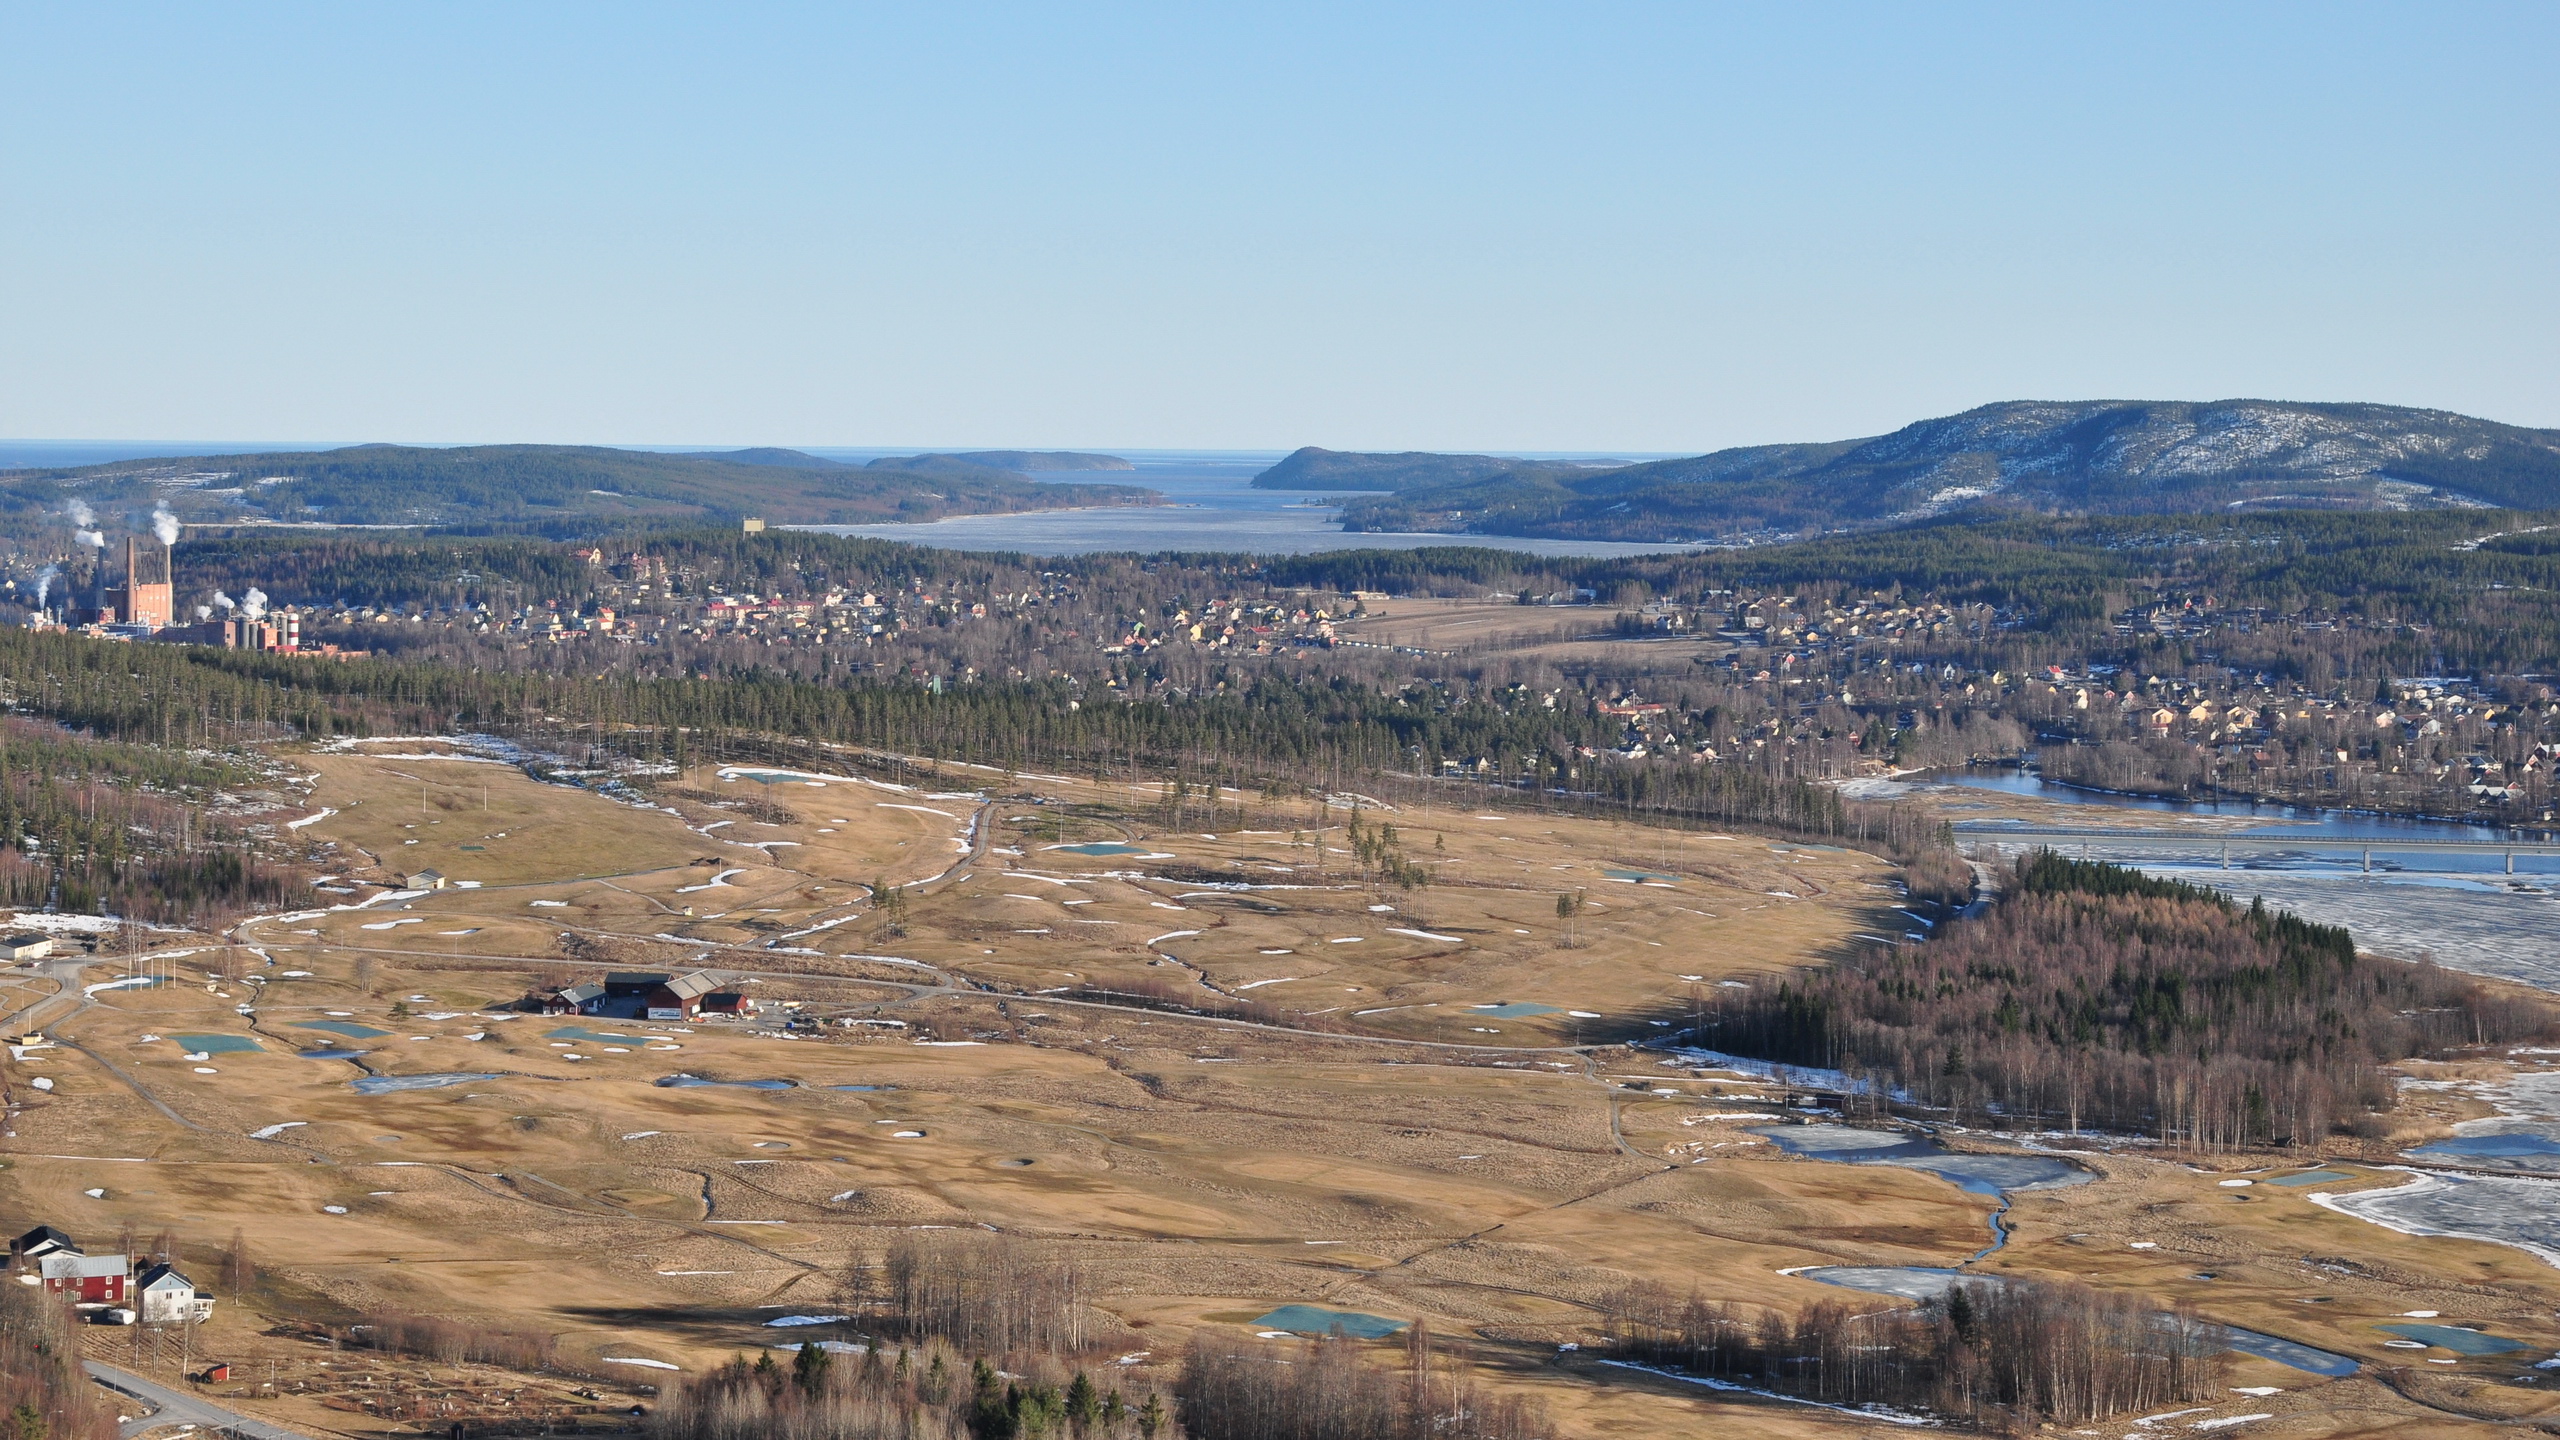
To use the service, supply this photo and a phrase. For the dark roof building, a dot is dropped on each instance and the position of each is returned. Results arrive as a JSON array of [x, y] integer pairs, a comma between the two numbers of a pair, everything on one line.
[[42, 1241]]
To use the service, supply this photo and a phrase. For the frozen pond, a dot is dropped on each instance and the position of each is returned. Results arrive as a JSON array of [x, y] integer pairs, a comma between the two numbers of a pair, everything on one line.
[[2503, 1209], [2513, 1149], [1974, 1174], [1998, 1176], [2524, 1135], [397, 1084]]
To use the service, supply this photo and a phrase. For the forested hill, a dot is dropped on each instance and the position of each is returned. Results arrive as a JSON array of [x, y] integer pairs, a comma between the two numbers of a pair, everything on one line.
[[1315, 468], [2092, 995], [567, 488], [2081, 457]]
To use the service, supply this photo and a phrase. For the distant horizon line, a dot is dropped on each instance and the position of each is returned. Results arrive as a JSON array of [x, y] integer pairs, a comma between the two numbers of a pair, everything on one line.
[[179, 449]]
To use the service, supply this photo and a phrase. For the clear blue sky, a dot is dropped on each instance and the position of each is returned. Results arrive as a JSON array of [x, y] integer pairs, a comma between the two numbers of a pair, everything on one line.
[[1375, 225]]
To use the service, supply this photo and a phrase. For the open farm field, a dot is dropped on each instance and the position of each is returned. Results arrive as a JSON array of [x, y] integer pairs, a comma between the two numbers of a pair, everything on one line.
[[1570, 637], [1422, 1103], [1434, 623]]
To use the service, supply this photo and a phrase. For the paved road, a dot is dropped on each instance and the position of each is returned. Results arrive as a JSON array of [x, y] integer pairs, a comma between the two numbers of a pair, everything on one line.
[[176, 1407]]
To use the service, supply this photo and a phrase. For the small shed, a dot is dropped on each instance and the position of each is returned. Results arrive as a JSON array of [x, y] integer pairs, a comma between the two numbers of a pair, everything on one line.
[[728, 1002], [422, 880]]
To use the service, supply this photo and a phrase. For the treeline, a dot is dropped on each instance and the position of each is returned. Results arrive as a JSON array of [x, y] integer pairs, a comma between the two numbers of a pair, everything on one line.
[[2093, 995], [1328, 1389], [43, 1394], [88, 825], [2014, 1353], [326, 568], [1311, 731], [988, 1294], [928, 1393], [450, 1342]]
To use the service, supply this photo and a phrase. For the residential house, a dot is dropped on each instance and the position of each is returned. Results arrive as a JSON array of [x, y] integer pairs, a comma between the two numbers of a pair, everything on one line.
[[572, 1000], [167, 1295], [42, 1241]]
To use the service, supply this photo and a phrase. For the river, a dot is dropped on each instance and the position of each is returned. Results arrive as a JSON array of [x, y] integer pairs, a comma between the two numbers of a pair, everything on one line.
[[1215, 509], [2462, 910]]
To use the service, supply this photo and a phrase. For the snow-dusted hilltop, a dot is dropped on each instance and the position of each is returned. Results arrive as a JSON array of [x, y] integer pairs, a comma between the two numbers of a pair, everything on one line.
[[2093, 456]]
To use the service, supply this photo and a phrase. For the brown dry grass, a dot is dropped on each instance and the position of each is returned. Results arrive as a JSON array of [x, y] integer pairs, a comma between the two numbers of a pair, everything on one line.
[[1207, 1171]]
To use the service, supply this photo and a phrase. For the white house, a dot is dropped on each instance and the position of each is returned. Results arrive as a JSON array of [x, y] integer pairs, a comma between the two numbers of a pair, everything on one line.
[[25, 947], [167, 1295]]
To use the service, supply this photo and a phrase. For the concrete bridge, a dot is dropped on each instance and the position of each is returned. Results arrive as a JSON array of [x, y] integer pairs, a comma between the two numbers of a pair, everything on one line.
[[2247, 842]]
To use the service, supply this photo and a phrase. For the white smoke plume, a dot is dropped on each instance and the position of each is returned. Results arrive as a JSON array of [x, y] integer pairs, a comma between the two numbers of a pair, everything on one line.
[[254, 604], [164, 524], [44, 582], [81, 515], [204, 612], [90, 538], [225, 601]]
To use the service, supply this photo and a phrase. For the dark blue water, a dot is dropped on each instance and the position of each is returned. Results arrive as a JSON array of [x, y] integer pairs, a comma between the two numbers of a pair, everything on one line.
[[218, 1044], [2455, 1338]]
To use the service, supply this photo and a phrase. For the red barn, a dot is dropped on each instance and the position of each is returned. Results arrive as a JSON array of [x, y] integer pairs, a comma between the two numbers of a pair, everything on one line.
[[87, 1279]]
